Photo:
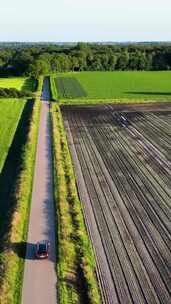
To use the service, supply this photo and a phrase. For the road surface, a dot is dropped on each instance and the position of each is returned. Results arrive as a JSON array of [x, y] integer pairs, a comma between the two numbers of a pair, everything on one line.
[[40, 281]]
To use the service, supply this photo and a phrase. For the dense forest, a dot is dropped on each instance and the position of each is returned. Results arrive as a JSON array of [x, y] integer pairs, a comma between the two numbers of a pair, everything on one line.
[[34, 60]]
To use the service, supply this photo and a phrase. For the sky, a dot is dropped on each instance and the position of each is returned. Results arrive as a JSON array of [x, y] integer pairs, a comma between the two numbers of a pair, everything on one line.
[[85, 20]]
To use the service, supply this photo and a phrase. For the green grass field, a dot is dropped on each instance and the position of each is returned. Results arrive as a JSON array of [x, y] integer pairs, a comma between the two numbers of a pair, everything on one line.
[[120, 86], [10, 112], [19, 83]]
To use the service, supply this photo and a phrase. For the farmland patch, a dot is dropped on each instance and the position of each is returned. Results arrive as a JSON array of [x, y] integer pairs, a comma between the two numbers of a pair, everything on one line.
[[19, 83], [10, 112], [123, 169], [69, 87], [115, 87]]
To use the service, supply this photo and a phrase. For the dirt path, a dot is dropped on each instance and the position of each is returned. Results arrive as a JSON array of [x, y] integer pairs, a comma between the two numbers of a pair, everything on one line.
[[39, 283]]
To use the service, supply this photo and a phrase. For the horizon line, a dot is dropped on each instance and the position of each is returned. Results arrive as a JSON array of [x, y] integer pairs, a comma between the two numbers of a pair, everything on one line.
[[83, 41]]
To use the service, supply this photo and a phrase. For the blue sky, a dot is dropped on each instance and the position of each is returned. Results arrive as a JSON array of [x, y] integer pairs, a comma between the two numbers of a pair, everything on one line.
[[85, 20]]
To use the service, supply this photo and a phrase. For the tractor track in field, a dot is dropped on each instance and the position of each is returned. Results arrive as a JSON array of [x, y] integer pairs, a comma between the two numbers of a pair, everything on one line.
[[127, 179], [149, 132], [129, 191], [103, 272]]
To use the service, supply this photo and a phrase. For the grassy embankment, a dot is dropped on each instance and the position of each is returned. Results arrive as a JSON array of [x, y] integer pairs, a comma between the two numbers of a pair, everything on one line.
[[76, 262], [53, 89], [118, 87], [15, 196]]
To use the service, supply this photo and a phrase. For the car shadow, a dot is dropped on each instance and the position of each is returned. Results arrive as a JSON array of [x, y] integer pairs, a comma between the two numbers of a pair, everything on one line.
[[24, 250]]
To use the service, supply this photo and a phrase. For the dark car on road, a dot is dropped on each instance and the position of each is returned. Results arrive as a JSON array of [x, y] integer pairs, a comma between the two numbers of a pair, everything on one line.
[[42, 249]]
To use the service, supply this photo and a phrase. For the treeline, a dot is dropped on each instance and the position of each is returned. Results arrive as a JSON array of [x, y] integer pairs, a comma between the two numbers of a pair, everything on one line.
[[37, 60]]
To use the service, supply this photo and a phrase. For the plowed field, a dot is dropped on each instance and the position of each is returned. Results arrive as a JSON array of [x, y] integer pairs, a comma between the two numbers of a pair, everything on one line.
[[124, 182]]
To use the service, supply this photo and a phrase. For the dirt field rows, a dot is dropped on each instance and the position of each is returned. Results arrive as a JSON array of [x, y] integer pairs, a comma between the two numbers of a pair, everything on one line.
[[124, 181]]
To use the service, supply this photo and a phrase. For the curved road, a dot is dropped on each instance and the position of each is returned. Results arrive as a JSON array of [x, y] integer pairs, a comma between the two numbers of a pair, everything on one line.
[[40, 281]]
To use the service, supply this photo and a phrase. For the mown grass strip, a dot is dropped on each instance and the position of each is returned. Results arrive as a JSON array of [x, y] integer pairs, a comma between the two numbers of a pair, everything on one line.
[[69, 87], [76, 262], [13, 239], [122, 101]]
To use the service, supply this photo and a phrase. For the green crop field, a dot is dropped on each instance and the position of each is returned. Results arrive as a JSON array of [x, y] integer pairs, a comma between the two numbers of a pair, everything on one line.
[[10, 112], [69, 87], [118, 86], [20, 83]]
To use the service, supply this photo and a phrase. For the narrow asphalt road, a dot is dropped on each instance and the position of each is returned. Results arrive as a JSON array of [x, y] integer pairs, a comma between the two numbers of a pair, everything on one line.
[[40, 281]]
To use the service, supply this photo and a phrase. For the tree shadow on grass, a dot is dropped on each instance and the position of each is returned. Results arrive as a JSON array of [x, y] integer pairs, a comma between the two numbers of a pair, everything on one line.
[[24, 250], [29, 84]]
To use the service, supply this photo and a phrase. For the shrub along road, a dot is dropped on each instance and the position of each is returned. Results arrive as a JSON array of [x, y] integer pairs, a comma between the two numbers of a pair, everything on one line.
[[39, 283]]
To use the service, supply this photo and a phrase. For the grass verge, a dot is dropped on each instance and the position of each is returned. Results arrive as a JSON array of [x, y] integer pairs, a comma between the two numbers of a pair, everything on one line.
[[125, 101], [53, 89], [76, 261], [39, 87], [16, 180]]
